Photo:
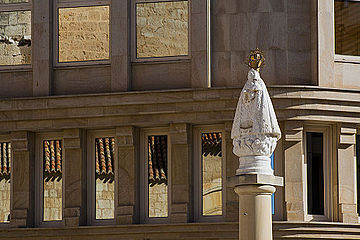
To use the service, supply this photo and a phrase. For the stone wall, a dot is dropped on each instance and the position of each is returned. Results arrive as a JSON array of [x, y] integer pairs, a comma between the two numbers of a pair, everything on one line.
[[4, 200], [14, 26], [158, 200], [104, 199], [162, 29], [83, 33], [53, 200]]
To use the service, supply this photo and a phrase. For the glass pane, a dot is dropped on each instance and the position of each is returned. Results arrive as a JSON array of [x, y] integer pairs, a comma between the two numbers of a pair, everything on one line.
[[315, 173], [5, 174], [13, 1], [358, 171], [83, 33], [347, 27], [104, 176], [162, 29], [211, 153], [158, 176], [52, 177], [15, 38]]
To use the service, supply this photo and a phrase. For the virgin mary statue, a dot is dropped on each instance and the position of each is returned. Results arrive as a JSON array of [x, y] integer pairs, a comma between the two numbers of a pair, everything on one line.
[[255, 129]]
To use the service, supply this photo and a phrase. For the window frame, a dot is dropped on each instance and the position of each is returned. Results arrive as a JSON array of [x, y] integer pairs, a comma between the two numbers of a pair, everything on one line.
[[75, 4], [91, 184], [39, 182], [144, 168], [15, 7], [328, 168], [134, 58], [7, 139], [341, 57], [198, 201]]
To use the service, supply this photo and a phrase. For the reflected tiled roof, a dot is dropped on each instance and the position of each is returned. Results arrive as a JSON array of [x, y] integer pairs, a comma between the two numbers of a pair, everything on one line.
[[157, 146], [104, 158], [211, 144], [52, 158], [5, 160]]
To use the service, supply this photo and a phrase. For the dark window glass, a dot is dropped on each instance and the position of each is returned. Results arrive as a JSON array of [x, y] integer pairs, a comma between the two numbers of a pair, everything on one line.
[[347, 27], [315, 173]]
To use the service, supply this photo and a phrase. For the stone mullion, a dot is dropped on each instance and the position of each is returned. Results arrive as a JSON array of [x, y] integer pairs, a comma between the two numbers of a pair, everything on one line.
[[346, 174], [22, 177], [75, 182], [179, 180], [120, 49], [198, 46], [126, 210], [293, 171], [41, 47], [231, 164]]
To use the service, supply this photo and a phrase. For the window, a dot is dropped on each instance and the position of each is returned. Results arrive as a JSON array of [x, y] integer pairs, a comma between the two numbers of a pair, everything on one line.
[[49, 180], [15, 33], [358, 172], [155, 180], [5, 177], [161, 28], [315, 173], [83, 31], [347, 27], [102, 156], [209, 155]]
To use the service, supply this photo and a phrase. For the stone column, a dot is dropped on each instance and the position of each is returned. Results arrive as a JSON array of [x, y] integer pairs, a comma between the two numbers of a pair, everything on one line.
[[346, 175], [23, 185], [179, 174], [255, 216], [127, 140], [75, 178], [232, 204]]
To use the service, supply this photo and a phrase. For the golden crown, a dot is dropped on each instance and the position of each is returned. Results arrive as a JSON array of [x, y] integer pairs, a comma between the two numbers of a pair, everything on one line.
[[256, 59]]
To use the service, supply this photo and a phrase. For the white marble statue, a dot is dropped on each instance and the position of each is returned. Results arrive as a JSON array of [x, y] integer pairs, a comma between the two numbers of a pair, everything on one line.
[[255, 129]]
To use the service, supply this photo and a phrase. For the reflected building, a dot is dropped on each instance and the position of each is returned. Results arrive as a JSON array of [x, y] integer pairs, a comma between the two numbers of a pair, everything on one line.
[[119, 114]]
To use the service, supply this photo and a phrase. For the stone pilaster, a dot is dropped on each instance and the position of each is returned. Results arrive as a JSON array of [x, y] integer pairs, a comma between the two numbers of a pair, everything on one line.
[[41, 47], [127, 140], [346, 174], [75, 178], [232, 163], [120, 49], [180, 173], [293, 170], [22, 177]]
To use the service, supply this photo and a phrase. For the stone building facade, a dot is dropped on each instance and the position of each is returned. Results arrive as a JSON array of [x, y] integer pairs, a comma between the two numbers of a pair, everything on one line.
[[118, 113]]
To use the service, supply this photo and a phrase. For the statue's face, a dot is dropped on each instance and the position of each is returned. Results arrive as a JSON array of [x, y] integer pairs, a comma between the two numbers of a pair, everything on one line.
[[253, 74]]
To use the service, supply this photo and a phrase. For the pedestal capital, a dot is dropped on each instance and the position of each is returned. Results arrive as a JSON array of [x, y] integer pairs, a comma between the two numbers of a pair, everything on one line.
[[255, 179]]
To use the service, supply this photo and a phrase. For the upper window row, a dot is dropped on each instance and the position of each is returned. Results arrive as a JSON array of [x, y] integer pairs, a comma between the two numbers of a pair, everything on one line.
[[347, 27], [161, 29]]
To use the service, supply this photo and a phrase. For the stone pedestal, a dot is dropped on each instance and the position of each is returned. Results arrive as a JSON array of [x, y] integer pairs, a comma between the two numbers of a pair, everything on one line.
[[255, 216]]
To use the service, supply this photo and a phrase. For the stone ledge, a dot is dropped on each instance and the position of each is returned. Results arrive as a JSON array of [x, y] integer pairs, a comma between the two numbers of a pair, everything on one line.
[[255, 179]]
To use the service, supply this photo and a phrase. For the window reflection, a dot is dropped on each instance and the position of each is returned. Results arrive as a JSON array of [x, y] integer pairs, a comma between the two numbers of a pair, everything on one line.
[[211, 154]]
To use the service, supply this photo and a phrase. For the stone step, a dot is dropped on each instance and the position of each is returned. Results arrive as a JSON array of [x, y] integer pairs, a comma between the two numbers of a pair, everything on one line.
[[287, 230]]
